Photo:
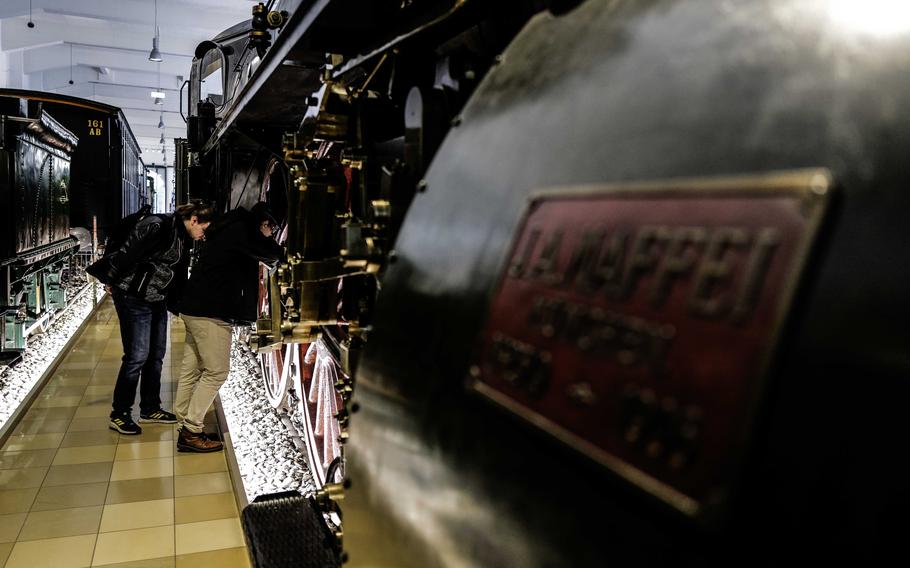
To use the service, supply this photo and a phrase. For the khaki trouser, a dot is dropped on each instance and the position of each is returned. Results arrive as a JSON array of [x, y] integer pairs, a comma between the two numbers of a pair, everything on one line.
[[206, 362]]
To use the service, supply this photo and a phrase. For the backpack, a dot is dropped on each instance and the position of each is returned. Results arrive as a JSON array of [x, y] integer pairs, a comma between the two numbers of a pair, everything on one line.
[[122, 230], [101, 268]]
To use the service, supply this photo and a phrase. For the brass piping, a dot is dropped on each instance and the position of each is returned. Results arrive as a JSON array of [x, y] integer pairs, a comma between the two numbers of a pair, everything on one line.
[[373, 74]]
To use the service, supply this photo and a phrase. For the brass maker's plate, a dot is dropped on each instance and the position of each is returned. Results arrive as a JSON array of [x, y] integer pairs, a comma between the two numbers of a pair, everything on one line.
[[636, 322]]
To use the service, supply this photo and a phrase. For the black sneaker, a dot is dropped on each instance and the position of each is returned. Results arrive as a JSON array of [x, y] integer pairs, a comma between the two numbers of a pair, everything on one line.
[[159, 416], [125, 425]]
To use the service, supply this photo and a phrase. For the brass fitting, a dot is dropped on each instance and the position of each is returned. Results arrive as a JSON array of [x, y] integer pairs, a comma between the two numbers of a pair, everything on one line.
[[330, 493]]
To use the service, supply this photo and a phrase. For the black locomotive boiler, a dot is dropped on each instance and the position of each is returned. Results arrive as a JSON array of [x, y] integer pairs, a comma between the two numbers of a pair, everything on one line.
[[606, 282], [67, 163]]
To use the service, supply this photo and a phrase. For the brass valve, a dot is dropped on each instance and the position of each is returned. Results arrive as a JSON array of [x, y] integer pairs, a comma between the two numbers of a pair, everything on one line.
[[262, 22], [276, 19]]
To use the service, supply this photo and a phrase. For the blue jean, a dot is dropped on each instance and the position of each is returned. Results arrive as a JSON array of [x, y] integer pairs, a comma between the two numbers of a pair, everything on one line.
[[143, 331]]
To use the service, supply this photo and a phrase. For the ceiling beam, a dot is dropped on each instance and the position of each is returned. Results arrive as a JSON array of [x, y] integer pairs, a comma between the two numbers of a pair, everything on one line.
[[145, 87], [58, 56], [17, 37]]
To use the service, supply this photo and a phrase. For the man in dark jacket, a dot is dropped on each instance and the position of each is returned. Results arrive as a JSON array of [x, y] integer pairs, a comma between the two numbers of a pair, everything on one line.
[[142, 275], [223, 290]]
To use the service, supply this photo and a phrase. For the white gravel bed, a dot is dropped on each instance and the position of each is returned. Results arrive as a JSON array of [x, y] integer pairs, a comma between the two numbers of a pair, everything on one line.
[[16, 382], [267, 458]]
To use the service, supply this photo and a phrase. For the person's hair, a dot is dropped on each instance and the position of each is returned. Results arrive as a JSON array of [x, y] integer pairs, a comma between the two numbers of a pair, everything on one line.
[[203, 211]]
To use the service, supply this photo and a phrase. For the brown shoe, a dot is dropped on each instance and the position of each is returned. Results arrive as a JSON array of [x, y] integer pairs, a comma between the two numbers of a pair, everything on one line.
[[191, 442]]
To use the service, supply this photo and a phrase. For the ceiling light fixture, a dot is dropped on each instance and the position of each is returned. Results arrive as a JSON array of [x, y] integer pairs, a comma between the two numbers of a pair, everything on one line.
[[30, 23], [155, 54], [161, 120], [158, 95], [71, 64]]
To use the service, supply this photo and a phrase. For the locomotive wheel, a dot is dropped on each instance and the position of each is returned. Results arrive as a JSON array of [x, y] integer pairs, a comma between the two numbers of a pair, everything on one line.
[[311, 372], [312, 377], [317, 405], [275, 364], [276, 374]]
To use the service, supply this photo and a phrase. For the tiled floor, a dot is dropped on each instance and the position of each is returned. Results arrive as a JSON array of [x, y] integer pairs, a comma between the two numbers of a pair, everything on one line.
[[74, 493]]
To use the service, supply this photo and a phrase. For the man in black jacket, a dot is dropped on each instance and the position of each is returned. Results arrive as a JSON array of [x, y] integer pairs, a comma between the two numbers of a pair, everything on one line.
[[143, 275], [223, 290]]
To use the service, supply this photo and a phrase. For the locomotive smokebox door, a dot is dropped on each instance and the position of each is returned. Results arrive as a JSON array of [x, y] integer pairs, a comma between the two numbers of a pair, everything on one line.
[[636, 323]]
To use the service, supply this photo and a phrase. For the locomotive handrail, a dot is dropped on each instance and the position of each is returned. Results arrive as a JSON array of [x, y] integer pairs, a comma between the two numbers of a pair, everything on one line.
[[18, 118], [388, 46]]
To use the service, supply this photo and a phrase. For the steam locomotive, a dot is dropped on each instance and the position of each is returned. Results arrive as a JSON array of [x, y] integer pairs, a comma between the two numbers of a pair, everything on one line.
[[68, 166], [607, 282]]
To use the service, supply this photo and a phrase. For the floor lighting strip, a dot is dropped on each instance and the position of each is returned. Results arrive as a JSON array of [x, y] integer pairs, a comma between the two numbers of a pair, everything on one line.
[[267, 460], [22, 382]]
